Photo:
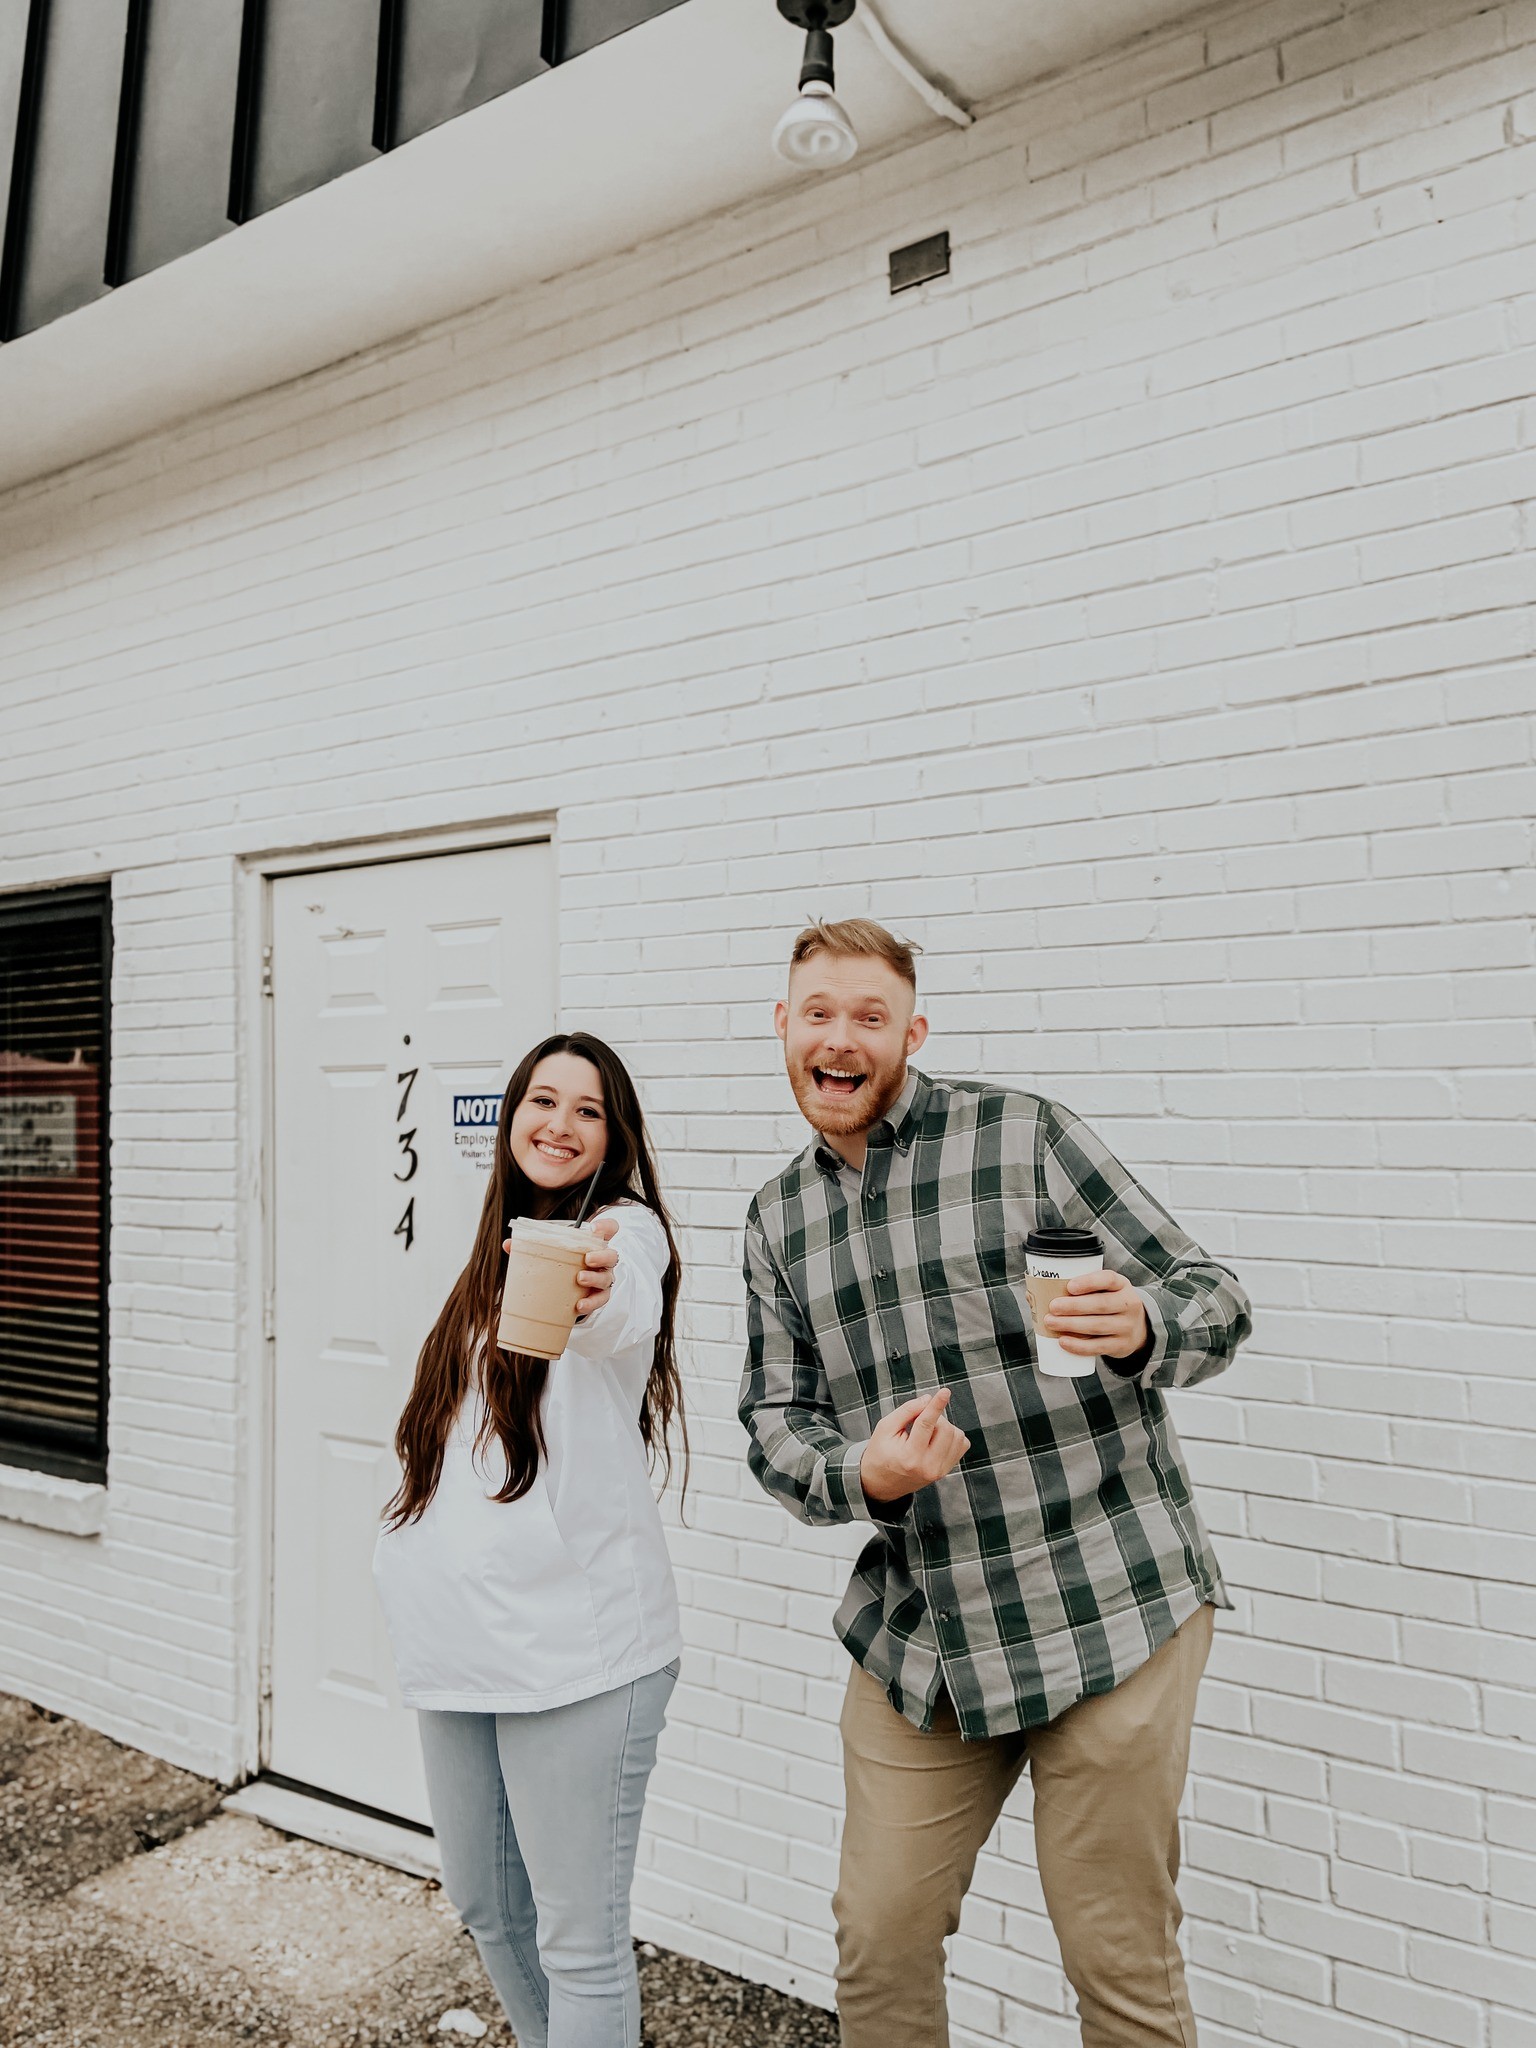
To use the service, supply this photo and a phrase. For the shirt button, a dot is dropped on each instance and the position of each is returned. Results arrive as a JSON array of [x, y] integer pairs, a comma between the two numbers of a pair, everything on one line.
[[894, 1355], [946, 1614], [881, 1274]]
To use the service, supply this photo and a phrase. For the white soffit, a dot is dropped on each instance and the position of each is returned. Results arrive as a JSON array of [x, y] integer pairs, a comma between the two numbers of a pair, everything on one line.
[[662, 125]]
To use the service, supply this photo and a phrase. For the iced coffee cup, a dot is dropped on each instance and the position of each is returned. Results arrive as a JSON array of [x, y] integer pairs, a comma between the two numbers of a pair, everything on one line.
[[1052, 1257], [540, 1294]]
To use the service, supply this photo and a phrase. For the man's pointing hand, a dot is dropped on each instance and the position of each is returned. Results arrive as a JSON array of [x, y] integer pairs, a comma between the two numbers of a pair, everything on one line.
[[911, 1447]]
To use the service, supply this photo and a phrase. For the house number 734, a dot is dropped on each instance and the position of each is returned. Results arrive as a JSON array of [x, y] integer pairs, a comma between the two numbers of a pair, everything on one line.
[[409, 1157]]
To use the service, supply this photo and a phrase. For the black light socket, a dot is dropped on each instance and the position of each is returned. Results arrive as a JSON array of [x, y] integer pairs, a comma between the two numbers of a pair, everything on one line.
[[816, 65], [818, 18]]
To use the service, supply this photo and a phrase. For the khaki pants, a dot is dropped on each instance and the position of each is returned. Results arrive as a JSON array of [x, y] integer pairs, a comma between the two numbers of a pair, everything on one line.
[[1107, 1774]]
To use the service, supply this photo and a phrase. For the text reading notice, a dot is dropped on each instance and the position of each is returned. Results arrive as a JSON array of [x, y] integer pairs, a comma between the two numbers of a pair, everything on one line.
[[474, 1130]]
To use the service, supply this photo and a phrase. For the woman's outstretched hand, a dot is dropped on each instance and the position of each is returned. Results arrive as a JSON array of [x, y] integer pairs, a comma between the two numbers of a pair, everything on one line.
[[596, 1277]]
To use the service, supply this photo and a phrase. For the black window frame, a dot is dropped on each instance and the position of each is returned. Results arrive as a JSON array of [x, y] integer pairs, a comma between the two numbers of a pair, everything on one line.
[[34, 1447]]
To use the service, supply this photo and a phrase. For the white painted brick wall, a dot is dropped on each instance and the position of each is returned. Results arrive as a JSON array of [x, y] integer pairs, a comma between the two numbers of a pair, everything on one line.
[[1142, 618]]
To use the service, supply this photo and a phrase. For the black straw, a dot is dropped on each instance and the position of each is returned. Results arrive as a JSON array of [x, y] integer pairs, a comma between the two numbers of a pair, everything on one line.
[[586, 1198]]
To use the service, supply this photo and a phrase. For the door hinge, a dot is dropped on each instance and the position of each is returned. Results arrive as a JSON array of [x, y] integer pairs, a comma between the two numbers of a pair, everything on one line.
[[266, 970], [269, 1316]]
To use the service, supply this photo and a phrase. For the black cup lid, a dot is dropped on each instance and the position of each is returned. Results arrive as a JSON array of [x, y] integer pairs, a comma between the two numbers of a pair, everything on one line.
[[1060, 1243]]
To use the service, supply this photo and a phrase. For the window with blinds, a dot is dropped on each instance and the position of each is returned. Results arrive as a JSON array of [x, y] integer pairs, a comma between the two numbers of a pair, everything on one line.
[[55, 953]]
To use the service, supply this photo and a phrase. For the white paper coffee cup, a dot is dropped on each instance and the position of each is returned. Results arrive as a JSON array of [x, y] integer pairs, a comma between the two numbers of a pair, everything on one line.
[[1052, 1257]]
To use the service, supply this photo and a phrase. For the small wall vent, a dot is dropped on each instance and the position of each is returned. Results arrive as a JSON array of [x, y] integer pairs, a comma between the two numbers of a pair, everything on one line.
[[920, 261]]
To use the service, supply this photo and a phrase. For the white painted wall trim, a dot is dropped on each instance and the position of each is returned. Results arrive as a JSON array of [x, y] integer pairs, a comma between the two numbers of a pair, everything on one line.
[[338, 1827], [76, 1507], [526, 830]]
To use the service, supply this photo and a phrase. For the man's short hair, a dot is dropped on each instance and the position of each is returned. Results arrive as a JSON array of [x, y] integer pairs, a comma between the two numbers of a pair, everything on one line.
[[853, 938]]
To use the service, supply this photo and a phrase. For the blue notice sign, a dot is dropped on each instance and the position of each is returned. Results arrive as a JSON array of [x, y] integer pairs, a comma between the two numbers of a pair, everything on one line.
[[474, 1129], [473, 1112]]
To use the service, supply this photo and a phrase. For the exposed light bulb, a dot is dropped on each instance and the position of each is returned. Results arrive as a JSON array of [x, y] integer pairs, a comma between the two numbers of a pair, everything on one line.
[[813, 131]]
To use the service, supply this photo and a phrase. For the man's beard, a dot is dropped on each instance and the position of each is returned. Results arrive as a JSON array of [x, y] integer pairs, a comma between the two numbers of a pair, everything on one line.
[[857, 1112]]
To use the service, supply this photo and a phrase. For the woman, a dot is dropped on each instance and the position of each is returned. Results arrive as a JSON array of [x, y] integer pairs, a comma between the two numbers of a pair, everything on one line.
[[522, 1569]]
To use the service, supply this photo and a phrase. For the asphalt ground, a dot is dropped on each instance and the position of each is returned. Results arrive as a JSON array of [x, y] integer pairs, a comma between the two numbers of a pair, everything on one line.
[[132, 1911]]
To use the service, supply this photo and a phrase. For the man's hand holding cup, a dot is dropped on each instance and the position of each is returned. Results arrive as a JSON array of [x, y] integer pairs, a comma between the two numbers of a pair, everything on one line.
[[912, 1447], [1098, 1315]]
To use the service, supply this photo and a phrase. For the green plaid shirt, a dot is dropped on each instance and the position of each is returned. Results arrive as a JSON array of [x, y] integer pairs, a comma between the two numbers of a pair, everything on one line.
[[1066, 1546]]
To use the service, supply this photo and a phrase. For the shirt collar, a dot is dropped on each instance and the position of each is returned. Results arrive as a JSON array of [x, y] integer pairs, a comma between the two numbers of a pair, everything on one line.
[[897, 1127]]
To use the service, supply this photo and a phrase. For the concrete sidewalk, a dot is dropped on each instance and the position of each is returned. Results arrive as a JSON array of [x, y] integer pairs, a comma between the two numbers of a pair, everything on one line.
[[133, 1911]]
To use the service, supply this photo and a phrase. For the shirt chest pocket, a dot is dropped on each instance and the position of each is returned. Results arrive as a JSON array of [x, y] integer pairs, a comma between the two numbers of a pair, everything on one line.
[[976, 1324], [972, 1293], [968, 1254], [969, 1245]]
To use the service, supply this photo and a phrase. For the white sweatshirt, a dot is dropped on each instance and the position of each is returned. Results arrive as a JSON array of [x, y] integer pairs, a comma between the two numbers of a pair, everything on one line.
[[511, 1606]]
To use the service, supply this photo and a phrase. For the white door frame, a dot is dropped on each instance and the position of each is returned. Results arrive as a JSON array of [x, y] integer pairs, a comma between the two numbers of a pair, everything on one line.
[[255, 1339]]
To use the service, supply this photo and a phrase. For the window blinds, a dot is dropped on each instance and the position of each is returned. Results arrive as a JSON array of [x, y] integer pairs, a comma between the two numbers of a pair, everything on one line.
[[54, 964]]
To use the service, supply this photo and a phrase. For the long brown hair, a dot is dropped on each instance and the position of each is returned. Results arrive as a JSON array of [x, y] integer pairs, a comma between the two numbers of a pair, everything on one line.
[[465, 1331]]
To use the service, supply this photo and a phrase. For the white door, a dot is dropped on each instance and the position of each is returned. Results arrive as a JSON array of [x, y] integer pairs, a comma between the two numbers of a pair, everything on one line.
[[404, 994]]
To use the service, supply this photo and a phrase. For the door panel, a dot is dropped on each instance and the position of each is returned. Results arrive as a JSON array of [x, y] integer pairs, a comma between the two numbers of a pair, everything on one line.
[[400, 990]]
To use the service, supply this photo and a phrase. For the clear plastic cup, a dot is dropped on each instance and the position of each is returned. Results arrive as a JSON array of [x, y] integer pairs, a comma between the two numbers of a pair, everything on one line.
[[540, 1295]]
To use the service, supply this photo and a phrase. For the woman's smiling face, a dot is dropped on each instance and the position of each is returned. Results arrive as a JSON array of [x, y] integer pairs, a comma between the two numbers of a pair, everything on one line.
[[559, 1130]]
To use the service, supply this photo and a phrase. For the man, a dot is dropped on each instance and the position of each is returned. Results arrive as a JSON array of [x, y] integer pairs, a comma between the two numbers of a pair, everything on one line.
[[1039, 1586]]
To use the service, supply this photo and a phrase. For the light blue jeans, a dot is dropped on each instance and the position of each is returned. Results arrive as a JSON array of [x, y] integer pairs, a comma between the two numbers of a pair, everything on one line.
[[537, 1818]]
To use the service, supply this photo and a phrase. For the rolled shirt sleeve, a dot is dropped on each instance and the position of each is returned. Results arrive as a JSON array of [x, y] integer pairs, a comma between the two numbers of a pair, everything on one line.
[[1197, 1311], [795, 1449], [631, 1316]]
